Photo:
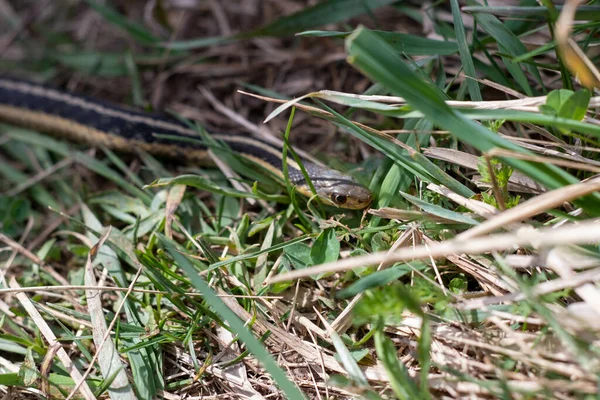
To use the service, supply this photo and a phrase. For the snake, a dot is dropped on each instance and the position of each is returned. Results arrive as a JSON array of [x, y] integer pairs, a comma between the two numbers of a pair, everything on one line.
[[96, 122]]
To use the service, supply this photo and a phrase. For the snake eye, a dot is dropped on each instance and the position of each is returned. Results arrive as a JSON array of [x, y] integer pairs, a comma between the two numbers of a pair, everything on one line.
[[338, 198]]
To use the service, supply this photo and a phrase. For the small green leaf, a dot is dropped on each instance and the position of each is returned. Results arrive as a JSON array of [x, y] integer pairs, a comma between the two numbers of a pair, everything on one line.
[[298, 255], [383, 304], [326, 248], [28, 369], [547, 110], [557, 98], [380, 241], [458, 285], [575, 106], [502, 172]]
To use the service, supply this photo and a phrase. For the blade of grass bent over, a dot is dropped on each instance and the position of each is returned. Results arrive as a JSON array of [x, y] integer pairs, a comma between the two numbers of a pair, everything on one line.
[[374, 57], [290, 390]]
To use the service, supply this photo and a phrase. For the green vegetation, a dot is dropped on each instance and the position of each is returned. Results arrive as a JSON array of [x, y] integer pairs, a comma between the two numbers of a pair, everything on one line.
[[474, 273]]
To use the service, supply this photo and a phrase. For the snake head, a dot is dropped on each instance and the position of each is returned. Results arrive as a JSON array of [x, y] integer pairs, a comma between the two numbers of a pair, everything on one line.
[[340, 190], [350, 195]]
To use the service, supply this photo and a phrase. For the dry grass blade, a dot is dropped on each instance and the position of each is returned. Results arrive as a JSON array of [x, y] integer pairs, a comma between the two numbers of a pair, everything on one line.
[[530, 104], [584, 233], [174, 197], [575, 59], [106, 352], [535, 206], [448, 296], [110, 327], [541, 159], [406, 215], [49, 335], [286, 340], [560, 260], [235, 374], [540, 289], [40, 177], [480, 208], [518, 182], [344, 320]]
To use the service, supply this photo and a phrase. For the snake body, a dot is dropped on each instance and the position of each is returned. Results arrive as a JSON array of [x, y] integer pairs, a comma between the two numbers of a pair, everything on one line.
[[98, 123]]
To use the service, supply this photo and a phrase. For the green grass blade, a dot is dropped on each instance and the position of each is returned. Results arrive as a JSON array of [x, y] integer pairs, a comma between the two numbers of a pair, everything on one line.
[[57, 146], [465, 53], [137, 31], [349, 363], [586, 13], [323, 13], [403, 386], [509, 43], [408, 44], [205, 184], [440, 211], [377, 60], [254, 345], [414, 161]]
